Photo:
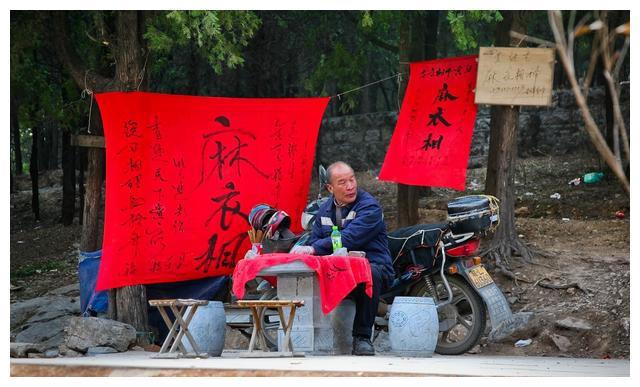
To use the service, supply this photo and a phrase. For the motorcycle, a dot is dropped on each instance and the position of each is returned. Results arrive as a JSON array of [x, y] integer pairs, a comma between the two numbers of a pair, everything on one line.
[[437, 260]]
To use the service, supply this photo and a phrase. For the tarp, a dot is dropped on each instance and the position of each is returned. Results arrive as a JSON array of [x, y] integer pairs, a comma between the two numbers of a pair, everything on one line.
[[91, 302], [430, 144], [183, 173]]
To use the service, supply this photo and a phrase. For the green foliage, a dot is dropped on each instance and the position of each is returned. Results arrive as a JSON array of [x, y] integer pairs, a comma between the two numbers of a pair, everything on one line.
[[345, 53], [367, 20], [218, 35], [466, 26], [341, 68]]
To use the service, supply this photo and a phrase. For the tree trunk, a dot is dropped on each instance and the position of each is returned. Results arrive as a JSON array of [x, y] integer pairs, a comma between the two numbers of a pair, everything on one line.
[[55, 145], [82, 162], [130, 301], [90, 216], [502, 158], [15, 132], [68, 179], [33, 171], [415, 31], [406, 197], [43, 148]]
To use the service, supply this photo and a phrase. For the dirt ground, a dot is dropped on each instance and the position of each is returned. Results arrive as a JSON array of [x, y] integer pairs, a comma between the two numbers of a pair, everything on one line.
[[582, 241]]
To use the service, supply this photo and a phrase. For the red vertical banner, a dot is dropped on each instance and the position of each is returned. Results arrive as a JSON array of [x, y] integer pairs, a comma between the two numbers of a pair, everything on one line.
[[183, 173], [430, 144]]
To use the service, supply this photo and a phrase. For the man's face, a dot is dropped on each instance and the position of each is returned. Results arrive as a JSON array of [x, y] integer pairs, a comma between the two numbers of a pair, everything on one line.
[[343, 185]]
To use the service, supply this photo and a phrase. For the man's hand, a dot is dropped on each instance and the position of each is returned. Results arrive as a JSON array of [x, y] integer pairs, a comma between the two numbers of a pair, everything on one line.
[[307, 250]]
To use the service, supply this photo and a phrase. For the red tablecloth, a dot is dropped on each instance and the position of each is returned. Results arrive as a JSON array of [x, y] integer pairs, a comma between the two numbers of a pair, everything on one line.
[[337, 276]]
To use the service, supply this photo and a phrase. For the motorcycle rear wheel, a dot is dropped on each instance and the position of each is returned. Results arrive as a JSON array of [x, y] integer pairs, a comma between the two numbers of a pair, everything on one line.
[[463, 321]]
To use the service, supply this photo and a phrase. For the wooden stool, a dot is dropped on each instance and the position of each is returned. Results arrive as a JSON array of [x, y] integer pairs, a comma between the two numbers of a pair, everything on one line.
[[257, 334], [180, 327]]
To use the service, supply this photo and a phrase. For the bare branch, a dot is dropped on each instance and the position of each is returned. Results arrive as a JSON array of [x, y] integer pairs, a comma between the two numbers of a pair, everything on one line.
[[620, 59], [593, 61], [531, 39], [555, 19], [571, 37], [617, 113]]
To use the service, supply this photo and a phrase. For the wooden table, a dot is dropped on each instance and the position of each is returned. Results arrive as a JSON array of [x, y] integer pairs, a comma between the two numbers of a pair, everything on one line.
[[183, 311], [257, 335]]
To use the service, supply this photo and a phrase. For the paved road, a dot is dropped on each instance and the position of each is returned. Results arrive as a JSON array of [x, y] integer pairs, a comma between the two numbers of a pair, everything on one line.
[[138, 363]]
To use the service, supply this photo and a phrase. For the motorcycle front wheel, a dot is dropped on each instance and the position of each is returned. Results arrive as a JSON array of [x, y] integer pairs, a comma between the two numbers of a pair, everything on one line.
[[461, 322], [270, 320]]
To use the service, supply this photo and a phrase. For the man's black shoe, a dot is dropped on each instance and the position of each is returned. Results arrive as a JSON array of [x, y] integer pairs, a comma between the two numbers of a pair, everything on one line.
[[362, 347]]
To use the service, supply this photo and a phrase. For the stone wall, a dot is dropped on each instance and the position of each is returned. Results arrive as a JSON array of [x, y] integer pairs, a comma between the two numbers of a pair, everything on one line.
[[362, 140]]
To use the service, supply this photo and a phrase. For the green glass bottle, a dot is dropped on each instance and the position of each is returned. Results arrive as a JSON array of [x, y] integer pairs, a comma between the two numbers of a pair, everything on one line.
[[592, 178]]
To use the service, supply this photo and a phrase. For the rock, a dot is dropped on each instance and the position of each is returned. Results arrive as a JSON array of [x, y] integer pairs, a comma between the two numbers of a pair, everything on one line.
[[573, 324], [72, 290], [43, 309], [50, 334], [625, 324], [100, 351], [35, 355], [86, 332], [51, 353], [512, 300], [23, 349], [523, 343], [475, 350], [137, 348], [522, 325], [561, 342], [233, 339], [68, 352], [382, 343], [571, 290]]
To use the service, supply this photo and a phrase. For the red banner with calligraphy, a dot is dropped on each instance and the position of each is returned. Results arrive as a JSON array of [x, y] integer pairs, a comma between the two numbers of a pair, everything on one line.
[[431, 141], [183, 172]]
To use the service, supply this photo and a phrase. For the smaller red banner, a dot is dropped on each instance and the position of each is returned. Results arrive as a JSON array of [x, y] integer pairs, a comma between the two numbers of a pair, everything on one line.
[[431, 141]]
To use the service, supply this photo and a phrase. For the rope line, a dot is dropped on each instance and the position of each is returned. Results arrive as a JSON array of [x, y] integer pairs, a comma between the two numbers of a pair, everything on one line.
[[367, 85]]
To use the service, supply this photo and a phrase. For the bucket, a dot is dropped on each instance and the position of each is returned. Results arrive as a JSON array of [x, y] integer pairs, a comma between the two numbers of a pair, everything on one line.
[[413, 326], [208, 328]]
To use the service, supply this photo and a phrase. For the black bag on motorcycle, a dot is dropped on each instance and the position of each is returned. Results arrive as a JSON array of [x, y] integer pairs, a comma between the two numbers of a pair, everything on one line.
[[471, 214]]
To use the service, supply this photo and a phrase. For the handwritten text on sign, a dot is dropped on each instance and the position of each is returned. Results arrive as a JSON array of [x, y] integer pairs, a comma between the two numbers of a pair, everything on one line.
[[430, 144], [183, 173], [515, 76]]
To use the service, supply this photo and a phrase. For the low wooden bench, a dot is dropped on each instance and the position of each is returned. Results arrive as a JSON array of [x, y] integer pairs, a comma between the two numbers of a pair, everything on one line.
[[257, 335], [183, 311]]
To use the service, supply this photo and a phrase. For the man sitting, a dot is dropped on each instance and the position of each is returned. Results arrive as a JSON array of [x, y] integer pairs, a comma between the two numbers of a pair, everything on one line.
[[358, 216]]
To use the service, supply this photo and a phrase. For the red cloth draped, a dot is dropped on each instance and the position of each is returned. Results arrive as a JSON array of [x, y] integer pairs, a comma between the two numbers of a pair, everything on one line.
[[431, 141], [337, 276], [183, 173]]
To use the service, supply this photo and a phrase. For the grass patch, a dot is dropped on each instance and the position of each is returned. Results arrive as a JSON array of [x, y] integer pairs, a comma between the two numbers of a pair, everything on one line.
[[37, 268]]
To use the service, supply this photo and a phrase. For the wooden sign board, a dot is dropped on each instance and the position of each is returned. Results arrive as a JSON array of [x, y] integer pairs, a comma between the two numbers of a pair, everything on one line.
[[515, 76]]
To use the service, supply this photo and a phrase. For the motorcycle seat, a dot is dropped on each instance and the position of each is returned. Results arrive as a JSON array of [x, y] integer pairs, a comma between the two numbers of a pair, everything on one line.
[[424, 235]]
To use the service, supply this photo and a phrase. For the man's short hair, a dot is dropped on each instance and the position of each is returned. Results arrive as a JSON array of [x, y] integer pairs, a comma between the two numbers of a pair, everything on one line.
[[331, 167]]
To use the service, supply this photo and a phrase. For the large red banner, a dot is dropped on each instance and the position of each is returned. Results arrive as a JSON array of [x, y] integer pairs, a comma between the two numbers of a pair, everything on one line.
[[183, 173], [431, 141]]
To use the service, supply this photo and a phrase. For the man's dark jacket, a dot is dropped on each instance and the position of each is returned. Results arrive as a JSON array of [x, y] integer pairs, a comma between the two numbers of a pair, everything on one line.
[[362, 229]]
